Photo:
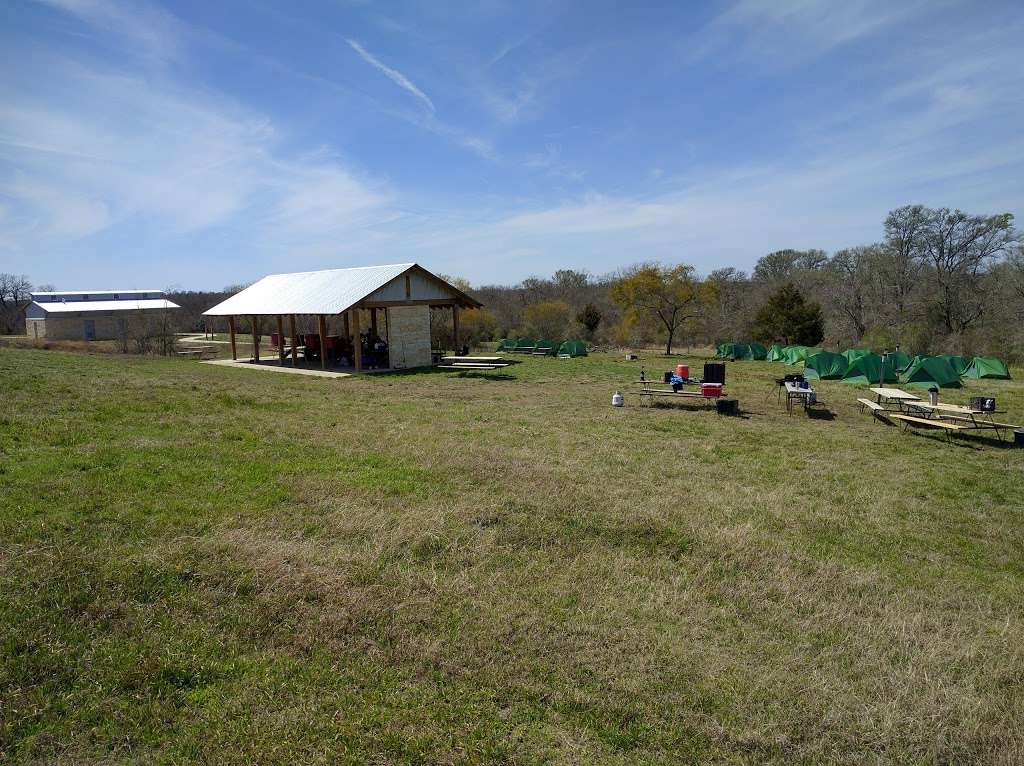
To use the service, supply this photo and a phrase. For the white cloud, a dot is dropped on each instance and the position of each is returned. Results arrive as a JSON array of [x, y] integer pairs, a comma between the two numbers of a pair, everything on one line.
[[394, 75], [149, 28]]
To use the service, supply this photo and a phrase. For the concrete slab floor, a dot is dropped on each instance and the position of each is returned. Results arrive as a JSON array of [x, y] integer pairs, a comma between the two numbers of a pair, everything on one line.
[[273, 366]]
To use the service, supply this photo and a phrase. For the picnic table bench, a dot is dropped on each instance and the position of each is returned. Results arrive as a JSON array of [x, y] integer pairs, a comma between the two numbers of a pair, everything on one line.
[[913, 421], [196, 351]]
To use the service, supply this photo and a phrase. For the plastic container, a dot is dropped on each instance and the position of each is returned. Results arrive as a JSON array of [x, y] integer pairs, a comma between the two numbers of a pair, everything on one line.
[[711, 389], [683, 370], [617, 400]]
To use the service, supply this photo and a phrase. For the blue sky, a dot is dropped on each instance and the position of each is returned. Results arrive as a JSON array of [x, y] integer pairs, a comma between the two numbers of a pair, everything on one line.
[[198, 144]]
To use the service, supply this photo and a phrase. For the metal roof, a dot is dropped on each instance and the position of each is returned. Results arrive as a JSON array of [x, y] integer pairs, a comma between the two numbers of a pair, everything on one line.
[[313, 292], [70, 293], [74, 307]]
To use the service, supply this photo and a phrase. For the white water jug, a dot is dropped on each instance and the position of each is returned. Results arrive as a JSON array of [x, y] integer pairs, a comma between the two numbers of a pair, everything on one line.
[[617, 400]]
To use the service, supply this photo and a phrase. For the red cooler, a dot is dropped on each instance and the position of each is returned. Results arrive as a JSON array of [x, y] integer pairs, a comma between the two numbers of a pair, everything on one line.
[[683, 370], [713, 390]]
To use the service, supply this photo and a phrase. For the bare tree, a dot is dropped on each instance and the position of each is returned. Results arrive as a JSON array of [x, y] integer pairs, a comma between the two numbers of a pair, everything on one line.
[[958, 247], [14, 294]]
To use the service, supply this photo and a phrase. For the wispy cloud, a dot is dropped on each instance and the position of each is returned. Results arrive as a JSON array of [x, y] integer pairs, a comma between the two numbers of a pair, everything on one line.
[[392, 74], [150, 29], [781, 33]]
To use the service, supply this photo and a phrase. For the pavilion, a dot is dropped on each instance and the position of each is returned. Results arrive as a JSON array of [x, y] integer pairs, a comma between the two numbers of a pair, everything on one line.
[[397, 298]]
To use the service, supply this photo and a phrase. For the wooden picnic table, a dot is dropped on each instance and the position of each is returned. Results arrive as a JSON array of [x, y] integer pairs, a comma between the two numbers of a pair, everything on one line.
[[977, 418], [894, 394]]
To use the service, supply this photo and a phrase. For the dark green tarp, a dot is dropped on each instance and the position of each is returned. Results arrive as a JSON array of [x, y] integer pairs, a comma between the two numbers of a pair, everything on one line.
[[987, 367], [507, 344], [825, 365], [900, 360], [572, 348], [853, 354], [867, 370], [757, 351], [927, 371], [958, 363], [775, 353]]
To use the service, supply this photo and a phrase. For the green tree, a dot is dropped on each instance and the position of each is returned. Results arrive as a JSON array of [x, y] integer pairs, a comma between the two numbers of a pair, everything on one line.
[[590, 317], [788, 318], [547, 319], [667, 295]]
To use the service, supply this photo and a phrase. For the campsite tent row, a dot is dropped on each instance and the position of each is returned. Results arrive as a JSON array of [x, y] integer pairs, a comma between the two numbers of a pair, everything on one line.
[[569, 348], [860, 365]]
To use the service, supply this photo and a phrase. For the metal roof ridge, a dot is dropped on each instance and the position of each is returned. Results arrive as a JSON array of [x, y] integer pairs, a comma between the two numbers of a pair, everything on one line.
[[342, 268]]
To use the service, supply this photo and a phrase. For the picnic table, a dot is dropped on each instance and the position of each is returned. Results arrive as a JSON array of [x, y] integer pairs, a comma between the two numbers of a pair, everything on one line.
[[893, 395], [197, 351], [978, 419]]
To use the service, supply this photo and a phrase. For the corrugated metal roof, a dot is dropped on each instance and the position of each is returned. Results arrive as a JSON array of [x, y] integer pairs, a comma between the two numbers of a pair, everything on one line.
[[309, 292], [69, 293], [74, 307]]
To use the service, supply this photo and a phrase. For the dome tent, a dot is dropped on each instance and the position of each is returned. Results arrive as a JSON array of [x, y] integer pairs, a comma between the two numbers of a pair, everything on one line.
[[927, 371], [900, 360], [987, 367], [825, 365], [547, 346], [757, 351], [775, 353], [734, 351], [794, 354], [853, 354], [958, 363], [867, 370], [507, 344], [571, 349]]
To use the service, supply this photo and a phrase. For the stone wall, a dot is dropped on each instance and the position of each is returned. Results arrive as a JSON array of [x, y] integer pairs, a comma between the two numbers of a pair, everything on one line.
[[409, 336], [109, 326]]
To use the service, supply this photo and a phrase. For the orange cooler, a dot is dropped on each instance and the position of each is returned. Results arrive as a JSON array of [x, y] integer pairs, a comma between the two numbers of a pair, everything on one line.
[[683, 370]]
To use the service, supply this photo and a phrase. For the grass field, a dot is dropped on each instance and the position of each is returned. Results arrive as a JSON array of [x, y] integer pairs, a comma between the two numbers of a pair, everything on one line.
[[221, 565]]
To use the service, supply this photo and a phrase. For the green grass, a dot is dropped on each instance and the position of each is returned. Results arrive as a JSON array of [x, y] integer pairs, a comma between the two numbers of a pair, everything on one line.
[[211, 564]]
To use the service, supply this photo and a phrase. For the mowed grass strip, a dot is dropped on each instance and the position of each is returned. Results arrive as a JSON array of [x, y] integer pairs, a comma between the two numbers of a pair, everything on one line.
[[212, 564]]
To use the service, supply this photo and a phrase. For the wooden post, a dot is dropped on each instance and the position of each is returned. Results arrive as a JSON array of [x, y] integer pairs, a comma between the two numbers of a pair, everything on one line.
[[295, 341], [231, 332], [348, 331], [373, 322], [357, 347], [323, 341], [280, 339], [455, 329], [255, 339]]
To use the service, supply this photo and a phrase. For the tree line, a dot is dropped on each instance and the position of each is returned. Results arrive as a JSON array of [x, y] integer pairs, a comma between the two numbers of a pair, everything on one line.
[[938, 280]]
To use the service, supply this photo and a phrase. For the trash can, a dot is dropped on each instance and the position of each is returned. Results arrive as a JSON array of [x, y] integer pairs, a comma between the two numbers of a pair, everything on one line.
[[933, 396], [1018, 437]]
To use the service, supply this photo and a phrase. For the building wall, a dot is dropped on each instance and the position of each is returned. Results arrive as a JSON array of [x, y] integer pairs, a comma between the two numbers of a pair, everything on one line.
[[420, 287], [409, 336], [109, 326]]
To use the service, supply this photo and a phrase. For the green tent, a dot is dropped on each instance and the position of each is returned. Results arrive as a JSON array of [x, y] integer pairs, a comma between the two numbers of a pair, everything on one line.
[[525, 344], [547, 346], [987, 367], [775, 353], [853, 354], [794, 354], [900, 360], [825, 365], [867, 370], [927, 371], [958, 363], [734, 351], [507, 344], [572, 348], [757, 351]]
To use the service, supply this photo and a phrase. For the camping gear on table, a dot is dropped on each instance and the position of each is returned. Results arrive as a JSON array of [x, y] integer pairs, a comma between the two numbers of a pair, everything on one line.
[[668, 377], [677, 382], [714, 372], [711, 390], [983, 403], [683, 370], [617, 400], [933, 396], [726, 406]]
